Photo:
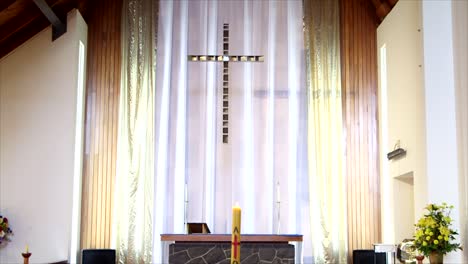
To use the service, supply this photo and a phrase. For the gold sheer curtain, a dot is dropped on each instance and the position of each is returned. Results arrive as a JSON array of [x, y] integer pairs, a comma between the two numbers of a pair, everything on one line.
[[133, 207], [325, 137]]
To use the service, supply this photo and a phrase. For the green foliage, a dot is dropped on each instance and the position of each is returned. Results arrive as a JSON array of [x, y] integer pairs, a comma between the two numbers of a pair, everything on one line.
[[433, 232]]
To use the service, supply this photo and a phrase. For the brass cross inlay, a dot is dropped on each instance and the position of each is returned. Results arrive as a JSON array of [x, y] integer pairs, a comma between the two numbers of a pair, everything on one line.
[[225, 58]]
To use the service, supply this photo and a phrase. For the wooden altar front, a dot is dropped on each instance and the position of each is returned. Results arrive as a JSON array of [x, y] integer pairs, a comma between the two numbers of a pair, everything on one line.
[[216, 248]]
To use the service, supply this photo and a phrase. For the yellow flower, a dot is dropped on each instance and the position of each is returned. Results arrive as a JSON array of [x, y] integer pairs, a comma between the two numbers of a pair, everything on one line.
[[434, 228], [419, 233], [444, 230]]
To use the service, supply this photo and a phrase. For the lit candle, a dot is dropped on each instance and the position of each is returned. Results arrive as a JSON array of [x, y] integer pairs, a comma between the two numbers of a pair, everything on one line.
[[26, 255], [235, 239]]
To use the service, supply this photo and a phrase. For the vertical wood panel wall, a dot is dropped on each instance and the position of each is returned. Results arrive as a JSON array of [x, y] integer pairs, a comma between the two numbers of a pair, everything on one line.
[[359, 80], [102, 100]]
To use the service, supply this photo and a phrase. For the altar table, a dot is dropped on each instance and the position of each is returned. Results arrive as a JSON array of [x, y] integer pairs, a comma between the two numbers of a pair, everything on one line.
[[216, 248]]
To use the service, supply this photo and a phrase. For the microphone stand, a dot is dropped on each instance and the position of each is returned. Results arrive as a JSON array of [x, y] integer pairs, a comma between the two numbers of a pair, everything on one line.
[[278, 203], [186, 208]]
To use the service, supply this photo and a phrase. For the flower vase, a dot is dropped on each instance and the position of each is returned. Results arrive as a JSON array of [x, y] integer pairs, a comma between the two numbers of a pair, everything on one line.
[[436, 257]]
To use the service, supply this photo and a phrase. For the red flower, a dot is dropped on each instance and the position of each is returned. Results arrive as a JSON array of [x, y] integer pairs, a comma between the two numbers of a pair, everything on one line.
[[5, 220]]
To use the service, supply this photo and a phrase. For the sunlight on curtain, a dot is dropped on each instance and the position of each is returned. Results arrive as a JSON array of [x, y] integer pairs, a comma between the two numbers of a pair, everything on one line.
[[325, 139], [267, 150], [133, 210]]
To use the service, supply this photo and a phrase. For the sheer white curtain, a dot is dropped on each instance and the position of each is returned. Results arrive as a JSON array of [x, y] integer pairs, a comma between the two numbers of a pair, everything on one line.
[[325, 136], [266, 158], [132, 234]]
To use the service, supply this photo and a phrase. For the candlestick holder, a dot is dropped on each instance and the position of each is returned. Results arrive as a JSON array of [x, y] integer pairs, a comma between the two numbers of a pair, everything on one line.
[[26, 257], [420, 259]]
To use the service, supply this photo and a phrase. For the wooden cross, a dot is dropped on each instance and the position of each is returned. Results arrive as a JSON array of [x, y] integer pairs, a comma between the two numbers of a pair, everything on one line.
[[225, 58]]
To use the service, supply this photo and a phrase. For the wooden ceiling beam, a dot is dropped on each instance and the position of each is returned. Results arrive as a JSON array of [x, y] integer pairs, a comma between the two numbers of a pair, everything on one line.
[[58, 27], [382, 8], [28, 23], [4, 4], [20, 36], [16, 23], [13, 10], [392, 2], [26, 13]]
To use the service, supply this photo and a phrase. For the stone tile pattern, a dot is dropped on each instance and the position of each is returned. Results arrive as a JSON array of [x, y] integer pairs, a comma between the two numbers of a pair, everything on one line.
[[220, 253]]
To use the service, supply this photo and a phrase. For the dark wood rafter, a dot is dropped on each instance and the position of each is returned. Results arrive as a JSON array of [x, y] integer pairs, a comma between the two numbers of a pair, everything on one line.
[[4, 4], [383, 7], [10, 9], [392, 2], [59, 27], [16, 16], [22, 19]]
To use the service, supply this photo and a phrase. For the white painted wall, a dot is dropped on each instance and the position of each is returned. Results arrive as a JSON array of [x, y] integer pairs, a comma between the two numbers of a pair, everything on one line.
[[38, 110], [402, 119], [460, 50], [441, 121], [403, 190], [434, 99]]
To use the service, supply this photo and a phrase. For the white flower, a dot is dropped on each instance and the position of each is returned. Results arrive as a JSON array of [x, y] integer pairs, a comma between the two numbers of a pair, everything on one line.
[[2, 234]]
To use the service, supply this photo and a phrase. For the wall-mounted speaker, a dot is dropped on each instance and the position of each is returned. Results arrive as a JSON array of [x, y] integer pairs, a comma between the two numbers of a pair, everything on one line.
[[397, 153], [98, 256]]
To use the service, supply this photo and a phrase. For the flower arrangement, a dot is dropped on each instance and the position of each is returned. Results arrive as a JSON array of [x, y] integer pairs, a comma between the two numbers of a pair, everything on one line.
[[433, 232], [5, 230]]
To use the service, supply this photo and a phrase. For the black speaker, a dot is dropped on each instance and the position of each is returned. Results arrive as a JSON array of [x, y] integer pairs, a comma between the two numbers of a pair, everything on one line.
[[98, 256], [366, 256]]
